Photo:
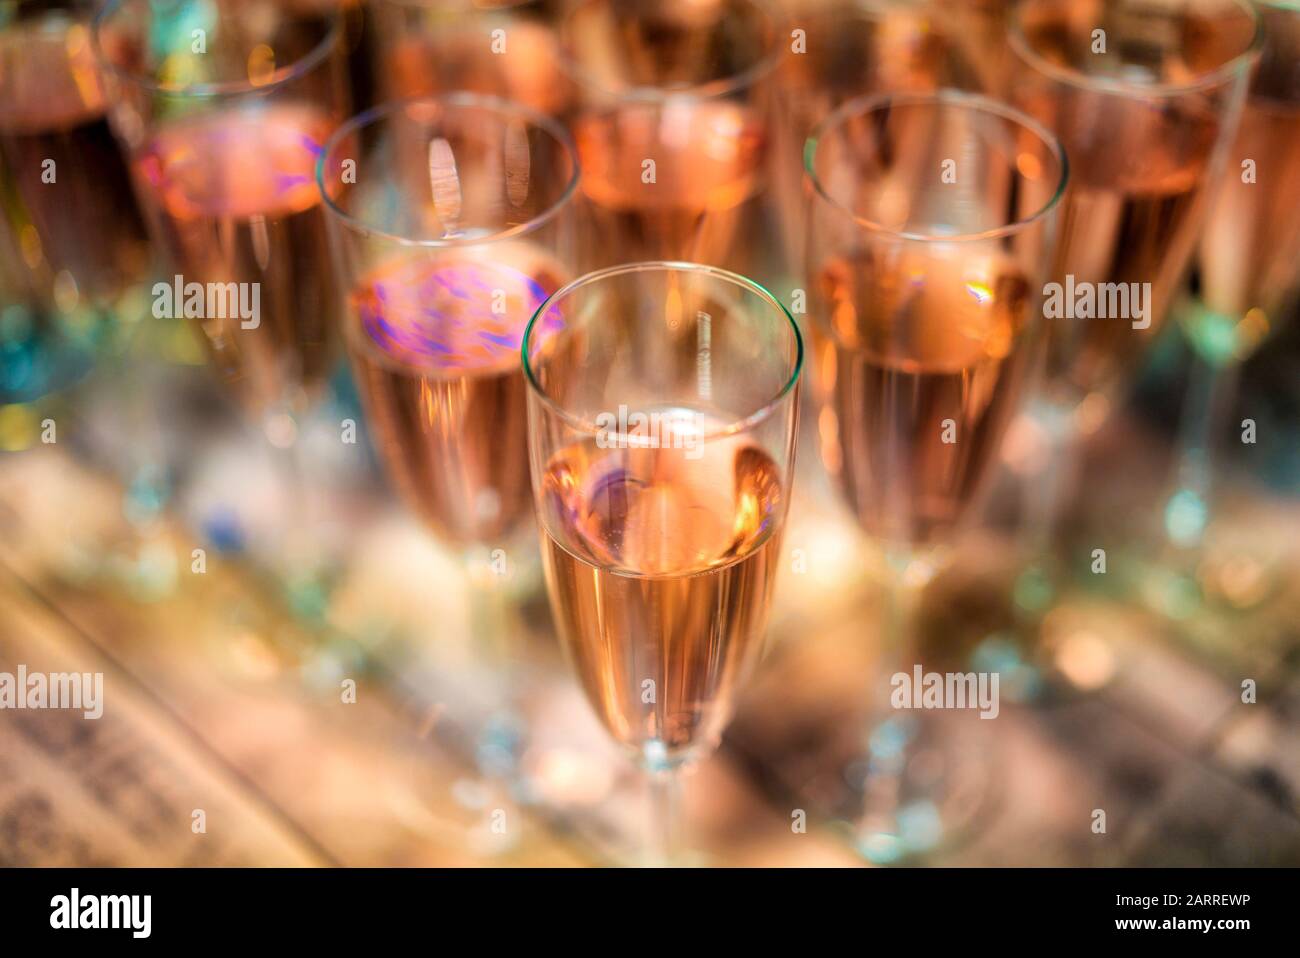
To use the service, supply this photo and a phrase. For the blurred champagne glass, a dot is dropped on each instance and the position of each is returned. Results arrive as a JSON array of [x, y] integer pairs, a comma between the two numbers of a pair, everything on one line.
[[842, 49], [1249, 265], [931, 223], [222, 107], [507, 48], [72, 240], [672, 122], [661, 424], [450, 222], [1146, 100]]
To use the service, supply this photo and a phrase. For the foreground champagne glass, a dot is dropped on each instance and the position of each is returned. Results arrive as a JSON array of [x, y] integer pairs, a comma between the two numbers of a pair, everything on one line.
[[672, 122], [450, 222], [223, 123], [508, 49], [71, 237], [932, 218], [661, 426], [1146, 108], [1249, 263]]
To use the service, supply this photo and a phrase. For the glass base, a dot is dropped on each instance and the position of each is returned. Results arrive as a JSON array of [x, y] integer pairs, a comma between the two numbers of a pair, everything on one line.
[[920, 787]]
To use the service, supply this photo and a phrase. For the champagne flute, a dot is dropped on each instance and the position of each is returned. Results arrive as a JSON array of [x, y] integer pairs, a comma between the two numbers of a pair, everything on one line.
[[450, 222], [1249, 264], [508, 49], [1146, 100], [931, 223], [74, 257], [222, 107], [661, 425], [849, 48], [223, 123], [74, 245], [672, 122]]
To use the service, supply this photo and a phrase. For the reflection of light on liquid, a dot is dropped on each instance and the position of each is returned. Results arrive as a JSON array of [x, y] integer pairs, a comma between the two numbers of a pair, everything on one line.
[[29, 241], [176, 71], [1251, 331], [1029, 166], [444, 184], [66, 294], [723, 136], [828, 430], [404, 327], [81, 65], [979, 292], [261, 65]]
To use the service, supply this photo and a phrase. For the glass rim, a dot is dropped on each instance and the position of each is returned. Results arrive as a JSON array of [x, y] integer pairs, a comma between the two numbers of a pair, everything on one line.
[[1019, 44], [666, 266], [225, 88], [763, 66], [500, 105], [869, 103]]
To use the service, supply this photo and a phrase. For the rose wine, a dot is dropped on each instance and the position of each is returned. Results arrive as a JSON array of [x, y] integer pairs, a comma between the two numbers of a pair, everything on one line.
[[1139, 172], [1126, 221], [660, 568], [234, 194], [435, 346], [1250, 249], [462, 58], [918, 364], [849, 51], [671, 181], [75, 221]]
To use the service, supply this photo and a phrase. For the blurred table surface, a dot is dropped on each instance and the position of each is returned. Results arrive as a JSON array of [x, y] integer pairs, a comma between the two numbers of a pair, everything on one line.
[[223, 697]]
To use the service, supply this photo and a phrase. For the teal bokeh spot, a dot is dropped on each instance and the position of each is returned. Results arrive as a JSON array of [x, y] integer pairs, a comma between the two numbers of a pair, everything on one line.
[[1185, 517], [880, 848], [920, 825], [1033, 590], [308, 598]]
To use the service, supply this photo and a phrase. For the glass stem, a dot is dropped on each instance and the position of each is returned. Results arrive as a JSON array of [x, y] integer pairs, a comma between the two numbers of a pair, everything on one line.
[[1049, 490], [665, 847], [1210, 395], [487, 607], [298, 512], [901, 648]]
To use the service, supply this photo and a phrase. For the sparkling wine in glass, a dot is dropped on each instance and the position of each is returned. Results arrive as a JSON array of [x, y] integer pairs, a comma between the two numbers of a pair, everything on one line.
[[672, 122], [1248, 272], [223, 137], [450, 221], [931, 223], [846, 49], [74, 243], [508, 49], [456, 227], [1146, 100], [222, 107], [662, 422]]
